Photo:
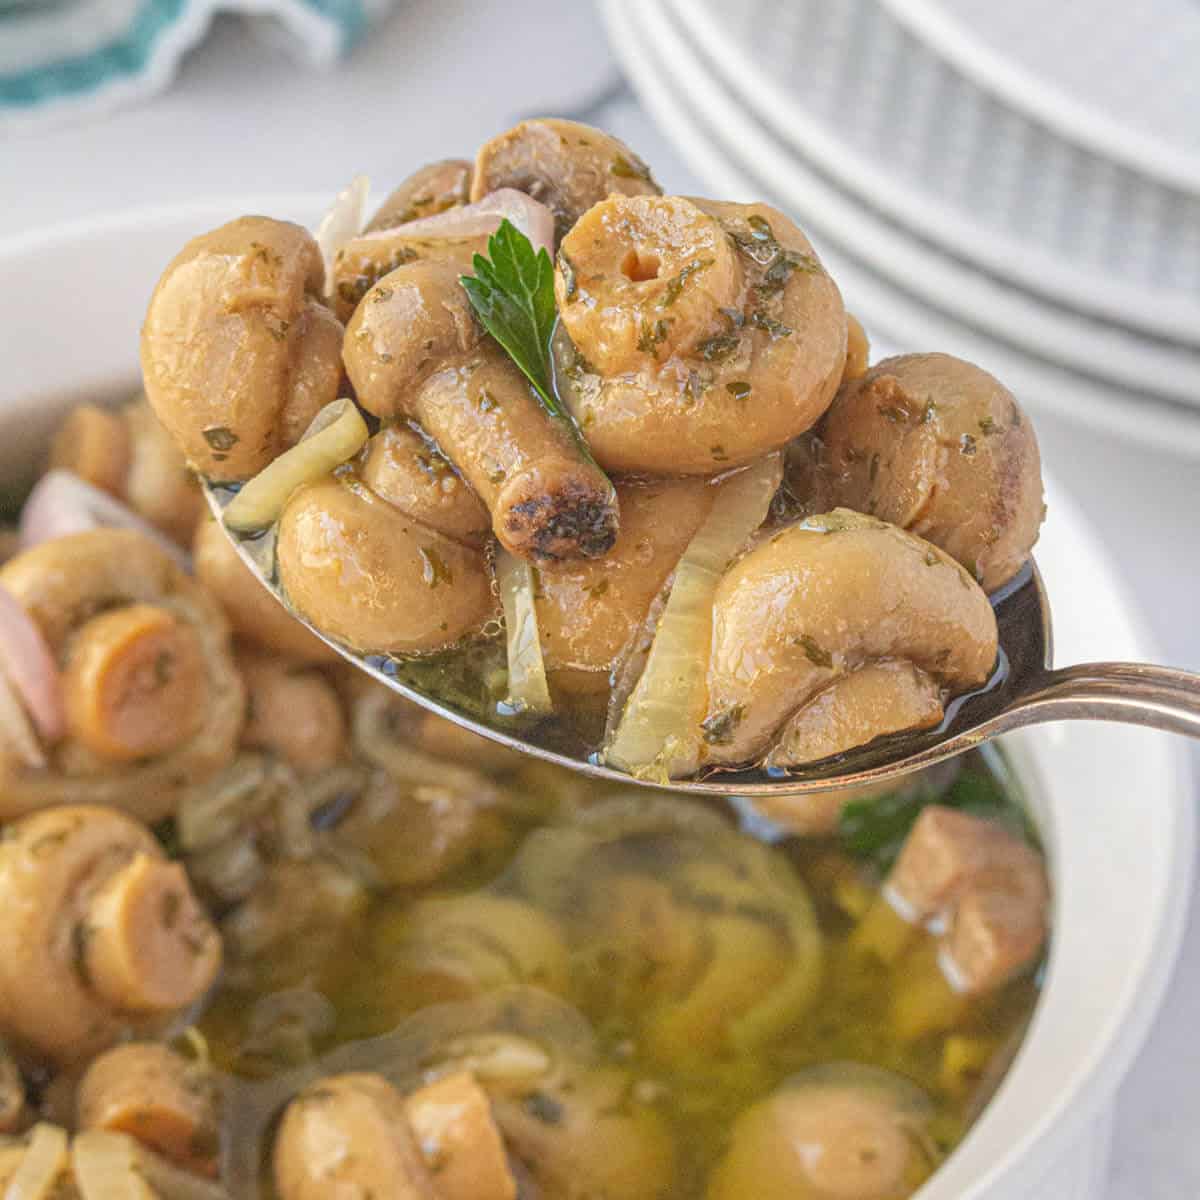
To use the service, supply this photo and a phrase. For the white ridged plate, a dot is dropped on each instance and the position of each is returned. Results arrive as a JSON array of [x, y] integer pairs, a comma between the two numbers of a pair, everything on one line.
[[1120, 78], [884, 272], [850, 90]]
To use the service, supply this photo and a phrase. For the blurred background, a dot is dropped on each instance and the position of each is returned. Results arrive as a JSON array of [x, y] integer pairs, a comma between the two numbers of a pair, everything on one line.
[[1017, 183]]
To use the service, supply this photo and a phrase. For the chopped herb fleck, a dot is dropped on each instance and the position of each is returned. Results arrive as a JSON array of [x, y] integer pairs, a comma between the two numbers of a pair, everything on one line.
[[967, 445], [718, 730], [433, 568], [676, 283], [769, 324], [625, 167], [570, 284], [652, 336], [874, 468], [814, 651], [718, 347], [220, 438], [486, 401], [987, 426], [739, 389], [597, 589], [892, 412], [931, 558]]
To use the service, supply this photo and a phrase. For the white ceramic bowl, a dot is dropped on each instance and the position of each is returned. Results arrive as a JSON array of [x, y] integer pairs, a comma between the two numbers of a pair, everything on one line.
[[1113, 802]]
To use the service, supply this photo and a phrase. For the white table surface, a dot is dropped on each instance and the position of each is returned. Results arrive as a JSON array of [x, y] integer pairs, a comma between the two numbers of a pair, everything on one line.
[[243, 119]]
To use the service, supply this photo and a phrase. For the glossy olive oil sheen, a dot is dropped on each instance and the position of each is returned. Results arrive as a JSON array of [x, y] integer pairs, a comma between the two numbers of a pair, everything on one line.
[[842, 979]]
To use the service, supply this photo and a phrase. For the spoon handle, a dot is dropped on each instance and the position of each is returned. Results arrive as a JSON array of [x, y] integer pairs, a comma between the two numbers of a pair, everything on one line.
[[1131, 693]]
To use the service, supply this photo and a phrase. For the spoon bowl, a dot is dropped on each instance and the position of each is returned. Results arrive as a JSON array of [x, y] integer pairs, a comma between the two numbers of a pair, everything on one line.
[[1023, 690]]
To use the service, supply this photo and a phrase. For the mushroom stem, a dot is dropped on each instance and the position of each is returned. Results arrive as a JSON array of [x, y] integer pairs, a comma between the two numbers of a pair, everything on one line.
[[149, 947]]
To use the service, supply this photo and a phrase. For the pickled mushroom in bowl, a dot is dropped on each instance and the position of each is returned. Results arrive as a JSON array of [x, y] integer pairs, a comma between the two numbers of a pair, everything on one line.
[[274, 932]]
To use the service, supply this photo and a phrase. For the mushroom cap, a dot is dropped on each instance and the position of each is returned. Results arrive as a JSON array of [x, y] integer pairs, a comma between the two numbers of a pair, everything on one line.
[[238, 354], [407, 326], [54, 868], [564, 165], [293, 711], [824, 597], [372, 577], [60, 584], [428, 191], [753, 359], [158, 483], [581, 1133], [365, 260], [349, 1135], [401, 467], [940, 447], [841, 1131]]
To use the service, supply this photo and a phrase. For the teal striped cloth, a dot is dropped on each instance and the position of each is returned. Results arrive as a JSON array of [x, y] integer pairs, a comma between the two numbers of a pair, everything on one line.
[[65, 58]]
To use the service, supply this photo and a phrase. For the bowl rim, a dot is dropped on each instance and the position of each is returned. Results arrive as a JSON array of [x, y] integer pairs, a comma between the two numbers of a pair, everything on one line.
[[1095, 1074]]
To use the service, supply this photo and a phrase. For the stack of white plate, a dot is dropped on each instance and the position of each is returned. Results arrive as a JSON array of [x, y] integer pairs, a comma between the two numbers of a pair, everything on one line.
[[1017, 183]]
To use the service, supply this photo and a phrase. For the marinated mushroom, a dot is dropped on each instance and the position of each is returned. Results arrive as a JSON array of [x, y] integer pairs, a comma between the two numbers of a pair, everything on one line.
[[367, 574], [293, 711], [565, 165], [102, 933], [157, 1096], [589, 611], [253, 613], [425, 193], [835, 1132], [403, 468], [983, 886], [695, 336], [152, 697], [413, 348], [129, 454], [238, 353], [463, 946], [820, 600], [582, 1131], [348, 1136], [939, 447]]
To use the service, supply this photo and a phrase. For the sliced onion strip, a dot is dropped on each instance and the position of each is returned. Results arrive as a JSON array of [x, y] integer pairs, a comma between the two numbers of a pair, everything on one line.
[[659, 730], [345, 220], [528, 689], [337, 433], [114, 1166], [61, 504], [532, 218], [44, 1163], [26, 663]]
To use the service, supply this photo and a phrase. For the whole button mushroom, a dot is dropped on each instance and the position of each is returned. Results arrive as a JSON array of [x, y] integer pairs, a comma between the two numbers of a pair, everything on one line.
[[413, 349], [836, 1132], [152, 698], [101, 933], [699, 336], [565, 165], [984, 888], [293, 711], [823, 599], [162, 1099], [939, 447], [356, 1135], [238, 353], [371, 576]]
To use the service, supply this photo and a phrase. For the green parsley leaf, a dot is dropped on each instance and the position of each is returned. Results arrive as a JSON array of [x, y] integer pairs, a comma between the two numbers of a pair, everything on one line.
[[512, 292]]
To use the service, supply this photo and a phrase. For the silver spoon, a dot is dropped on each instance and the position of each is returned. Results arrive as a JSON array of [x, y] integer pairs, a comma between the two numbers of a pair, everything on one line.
[[1023, 690]]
